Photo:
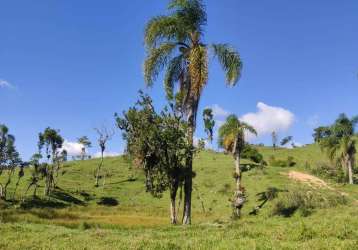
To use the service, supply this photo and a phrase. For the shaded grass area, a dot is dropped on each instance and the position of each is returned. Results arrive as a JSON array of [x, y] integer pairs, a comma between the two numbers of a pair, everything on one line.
[[121, 215], [249, 233]]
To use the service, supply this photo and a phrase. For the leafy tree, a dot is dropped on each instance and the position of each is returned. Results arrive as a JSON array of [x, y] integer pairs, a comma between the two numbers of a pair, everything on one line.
[[175, 43], [286, 140], [38, 172], [157, 144], [20, 174], [9, 158], [104, 135], [274, 139], [209, 122], [339, 143], [86, 143], [252, 153], [51, 141], [320, 133], [232, 139], [201, 144]]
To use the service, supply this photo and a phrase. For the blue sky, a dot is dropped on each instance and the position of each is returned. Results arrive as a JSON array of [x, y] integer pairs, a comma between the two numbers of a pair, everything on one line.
[[72, 64]]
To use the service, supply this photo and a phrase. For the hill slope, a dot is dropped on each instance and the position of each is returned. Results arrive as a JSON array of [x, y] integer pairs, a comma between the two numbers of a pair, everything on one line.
[[121, 215]]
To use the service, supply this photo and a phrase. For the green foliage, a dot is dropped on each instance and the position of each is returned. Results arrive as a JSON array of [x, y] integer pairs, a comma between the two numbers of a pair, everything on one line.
[[156, 143], [9, 157], [52, 141], [305, 201], [329, 171], [231, 134], [230, 61], [252, 153], [321, 132], [209, 122], [289, 162], [286, 140], [174, 44], [339, 143]]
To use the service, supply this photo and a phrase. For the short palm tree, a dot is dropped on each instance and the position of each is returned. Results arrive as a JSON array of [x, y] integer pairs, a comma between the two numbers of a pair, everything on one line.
[[232, 140], [339, 143], [85, 143], [175, 44]]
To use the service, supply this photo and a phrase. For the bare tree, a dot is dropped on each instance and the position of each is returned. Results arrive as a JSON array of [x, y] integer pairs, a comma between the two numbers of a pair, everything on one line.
[[104, 135]]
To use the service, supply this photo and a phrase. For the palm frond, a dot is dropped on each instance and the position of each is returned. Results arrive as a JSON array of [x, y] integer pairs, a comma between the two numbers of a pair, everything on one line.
[[157, 58], [230, 61], [190, 12], [248, 127], [164, 28], [174, 71]]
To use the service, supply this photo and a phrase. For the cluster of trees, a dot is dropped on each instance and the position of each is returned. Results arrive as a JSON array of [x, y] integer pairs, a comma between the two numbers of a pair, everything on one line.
[[46, 163], [9, 160], [338, 141], [175, 43]]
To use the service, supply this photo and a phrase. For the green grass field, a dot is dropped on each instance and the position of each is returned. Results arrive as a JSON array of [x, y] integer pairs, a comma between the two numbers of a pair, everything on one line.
[[121, 215]]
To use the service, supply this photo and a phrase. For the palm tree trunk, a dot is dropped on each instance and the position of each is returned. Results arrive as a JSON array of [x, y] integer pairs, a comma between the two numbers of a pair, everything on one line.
[[188, 179], [1, 191], [16, 186], [237, 172], [350, 170], [12, 170]]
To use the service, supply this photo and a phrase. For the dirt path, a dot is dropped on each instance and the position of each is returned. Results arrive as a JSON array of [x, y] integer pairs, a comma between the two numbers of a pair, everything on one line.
[[308, 179], [312, 181]]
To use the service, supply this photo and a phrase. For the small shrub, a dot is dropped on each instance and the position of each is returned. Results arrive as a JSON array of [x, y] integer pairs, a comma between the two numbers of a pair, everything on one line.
[[289, 162], [305, 202], [84, 226], [330, 171]]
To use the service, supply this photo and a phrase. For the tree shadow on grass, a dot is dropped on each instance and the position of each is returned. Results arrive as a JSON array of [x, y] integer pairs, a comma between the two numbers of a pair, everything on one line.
[[37, 202], [108, 201], [63, 196], [130, 179]]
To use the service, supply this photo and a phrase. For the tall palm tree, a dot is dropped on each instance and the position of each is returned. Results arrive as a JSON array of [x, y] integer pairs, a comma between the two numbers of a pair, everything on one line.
[[232, 139], [339, 143], [175, 44]]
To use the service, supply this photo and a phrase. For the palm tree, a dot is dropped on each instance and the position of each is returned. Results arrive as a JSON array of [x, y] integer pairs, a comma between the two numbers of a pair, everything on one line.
[[175, 43], [232, 139], [86, 143], [339, 143]]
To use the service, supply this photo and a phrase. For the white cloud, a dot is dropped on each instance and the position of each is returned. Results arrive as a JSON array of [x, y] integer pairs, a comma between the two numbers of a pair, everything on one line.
[[72, 148], [106, 154], [219, 111], [5, 84], [268, 119]]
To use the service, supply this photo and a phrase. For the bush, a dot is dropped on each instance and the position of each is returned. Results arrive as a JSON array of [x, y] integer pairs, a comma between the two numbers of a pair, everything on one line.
[[329, 171], [289, 162], [84, 226], [305, 201], [252, 153]]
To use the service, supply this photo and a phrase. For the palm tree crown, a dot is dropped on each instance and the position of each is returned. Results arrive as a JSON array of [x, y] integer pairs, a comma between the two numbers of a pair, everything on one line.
[[232, 134], [175, 43], [339, 143]]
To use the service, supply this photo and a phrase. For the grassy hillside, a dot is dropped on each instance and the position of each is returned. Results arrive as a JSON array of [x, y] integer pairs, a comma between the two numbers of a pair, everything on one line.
[[121, 215]]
